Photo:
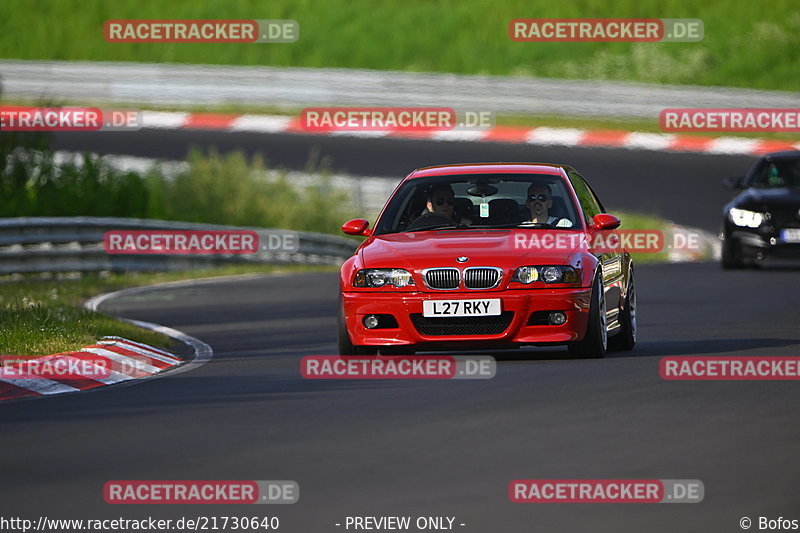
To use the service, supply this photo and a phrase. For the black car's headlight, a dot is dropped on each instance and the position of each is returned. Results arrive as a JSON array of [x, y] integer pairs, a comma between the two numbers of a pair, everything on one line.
[[380, 277], [745, 218], [546, 273]]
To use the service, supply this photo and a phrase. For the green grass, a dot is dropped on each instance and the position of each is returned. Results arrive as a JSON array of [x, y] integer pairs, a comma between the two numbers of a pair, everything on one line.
[[638, 221], [41, 326], [40, 317], [746, 44]]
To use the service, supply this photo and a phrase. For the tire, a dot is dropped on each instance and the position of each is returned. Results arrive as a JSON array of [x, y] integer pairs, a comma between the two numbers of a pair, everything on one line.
[[625, 339], [595, 341], [346, 346], [731, 257]]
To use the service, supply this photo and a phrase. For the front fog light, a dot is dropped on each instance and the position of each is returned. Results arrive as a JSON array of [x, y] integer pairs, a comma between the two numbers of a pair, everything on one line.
[[557, 318], [370, 322]]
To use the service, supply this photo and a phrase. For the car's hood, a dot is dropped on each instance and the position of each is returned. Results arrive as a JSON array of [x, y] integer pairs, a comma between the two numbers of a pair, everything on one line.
[[759, 199], [425, 249]]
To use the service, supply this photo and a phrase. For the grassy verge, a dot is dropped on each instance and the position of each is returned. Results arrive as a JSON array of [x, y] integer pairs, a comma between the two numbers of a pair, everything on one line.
[[746, 44], [638, 221], [41, 317]]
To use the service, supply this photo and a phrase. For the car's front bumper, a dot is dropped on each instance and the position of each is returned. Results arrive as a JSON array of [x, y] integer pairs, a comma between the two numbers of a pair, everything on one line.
[[759, 245], [574, 302]]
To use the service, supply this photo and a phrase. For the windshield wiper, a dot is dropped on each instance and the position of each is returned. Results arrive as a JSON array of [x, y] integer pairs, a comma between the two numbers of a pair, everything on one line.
[[438, 226], [515, 225], [454, 226]]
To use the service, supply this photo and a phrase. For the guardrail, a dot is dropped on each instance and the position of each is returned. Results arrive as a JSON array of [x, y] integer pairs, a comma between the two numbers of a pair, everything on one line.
[[75, 244], [102, 83]]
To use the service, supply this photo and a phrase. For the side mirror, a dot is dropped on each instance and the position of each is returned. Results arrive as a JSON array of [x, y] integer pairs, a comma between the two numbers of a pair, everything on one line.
[[604, 221], [733, 182], [358, 226]]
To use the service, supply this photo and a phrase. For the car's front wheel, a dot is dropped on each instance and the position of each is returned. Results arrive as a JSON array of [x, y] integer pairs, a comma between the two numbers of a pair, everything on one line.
[[595, 341], [346, 346]]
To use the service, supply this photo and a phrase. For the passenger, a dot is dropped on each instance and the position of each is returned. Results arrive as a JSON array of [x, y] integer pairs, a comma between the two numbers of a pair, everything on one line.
[[539, 202]]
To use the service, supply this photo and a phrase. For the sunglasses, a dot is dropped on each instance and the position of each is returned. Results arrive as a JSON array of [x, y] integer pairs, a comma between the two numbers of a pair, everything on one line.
[[449, 201], [540, 197]]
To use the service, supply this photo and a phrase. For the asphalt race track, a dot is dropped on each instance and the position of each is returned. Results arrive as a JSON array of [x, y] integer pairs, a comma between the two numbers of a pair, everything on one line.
[[430, 447], [437, 448]]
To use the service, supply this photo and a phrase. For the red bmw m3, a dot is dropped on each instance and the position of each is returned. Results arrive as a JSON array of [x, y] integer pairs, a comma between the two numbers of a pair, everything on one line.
[[478, 256]]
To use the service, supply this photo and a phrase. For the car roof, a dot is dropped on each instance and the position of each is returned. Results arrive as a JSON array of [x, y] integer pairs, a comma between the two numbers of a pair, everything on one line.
[[787, 154], [489, 168]]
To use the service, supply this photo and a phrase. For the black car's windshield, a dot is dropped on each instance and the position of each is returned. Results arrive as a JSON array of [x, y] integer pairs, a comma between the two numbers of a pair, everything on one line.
[[480, 201], [777, 174]]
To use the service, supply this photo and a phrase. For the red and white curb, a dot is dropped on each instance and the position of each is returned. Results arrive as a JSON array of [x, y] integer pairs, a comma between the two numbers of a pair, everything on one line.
[[129, 360], [501, 134], [136, 357]]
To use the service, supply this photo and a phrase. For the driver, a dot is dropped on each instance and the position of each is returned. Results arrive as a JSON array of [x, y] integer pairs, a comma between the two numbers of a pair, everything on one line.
[[440, 208], [539, 202], [441, 200]]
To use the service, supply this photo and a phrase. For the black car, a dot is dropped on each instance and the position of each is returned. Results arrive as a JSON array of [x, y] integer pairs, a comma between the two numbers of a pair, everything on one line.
[[763, 220]]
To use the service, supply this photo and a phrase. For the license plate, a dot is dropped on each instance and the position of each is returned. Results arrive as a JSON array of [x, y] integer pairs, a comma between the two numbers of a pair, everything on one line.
[[791, 235], [433, 308]]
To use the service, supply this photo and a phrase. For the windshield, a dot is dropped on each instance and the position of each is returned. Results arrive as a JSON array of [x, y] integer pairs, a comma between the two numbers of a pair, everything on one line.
[[779, 174], [483, 201]]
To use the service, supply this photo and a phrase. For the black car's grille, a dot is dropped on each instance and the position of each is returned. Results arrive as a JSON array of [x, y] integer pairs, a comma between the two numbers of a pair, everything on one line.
[[442, 278], [466, 326], [481, 277]]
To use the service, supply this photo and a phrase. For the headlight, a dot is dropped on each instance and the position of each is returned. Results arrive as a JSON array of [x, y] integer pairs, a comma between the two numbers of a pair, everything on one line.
[[526, 275], [743, 217], [379, 277], [547, 274]]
